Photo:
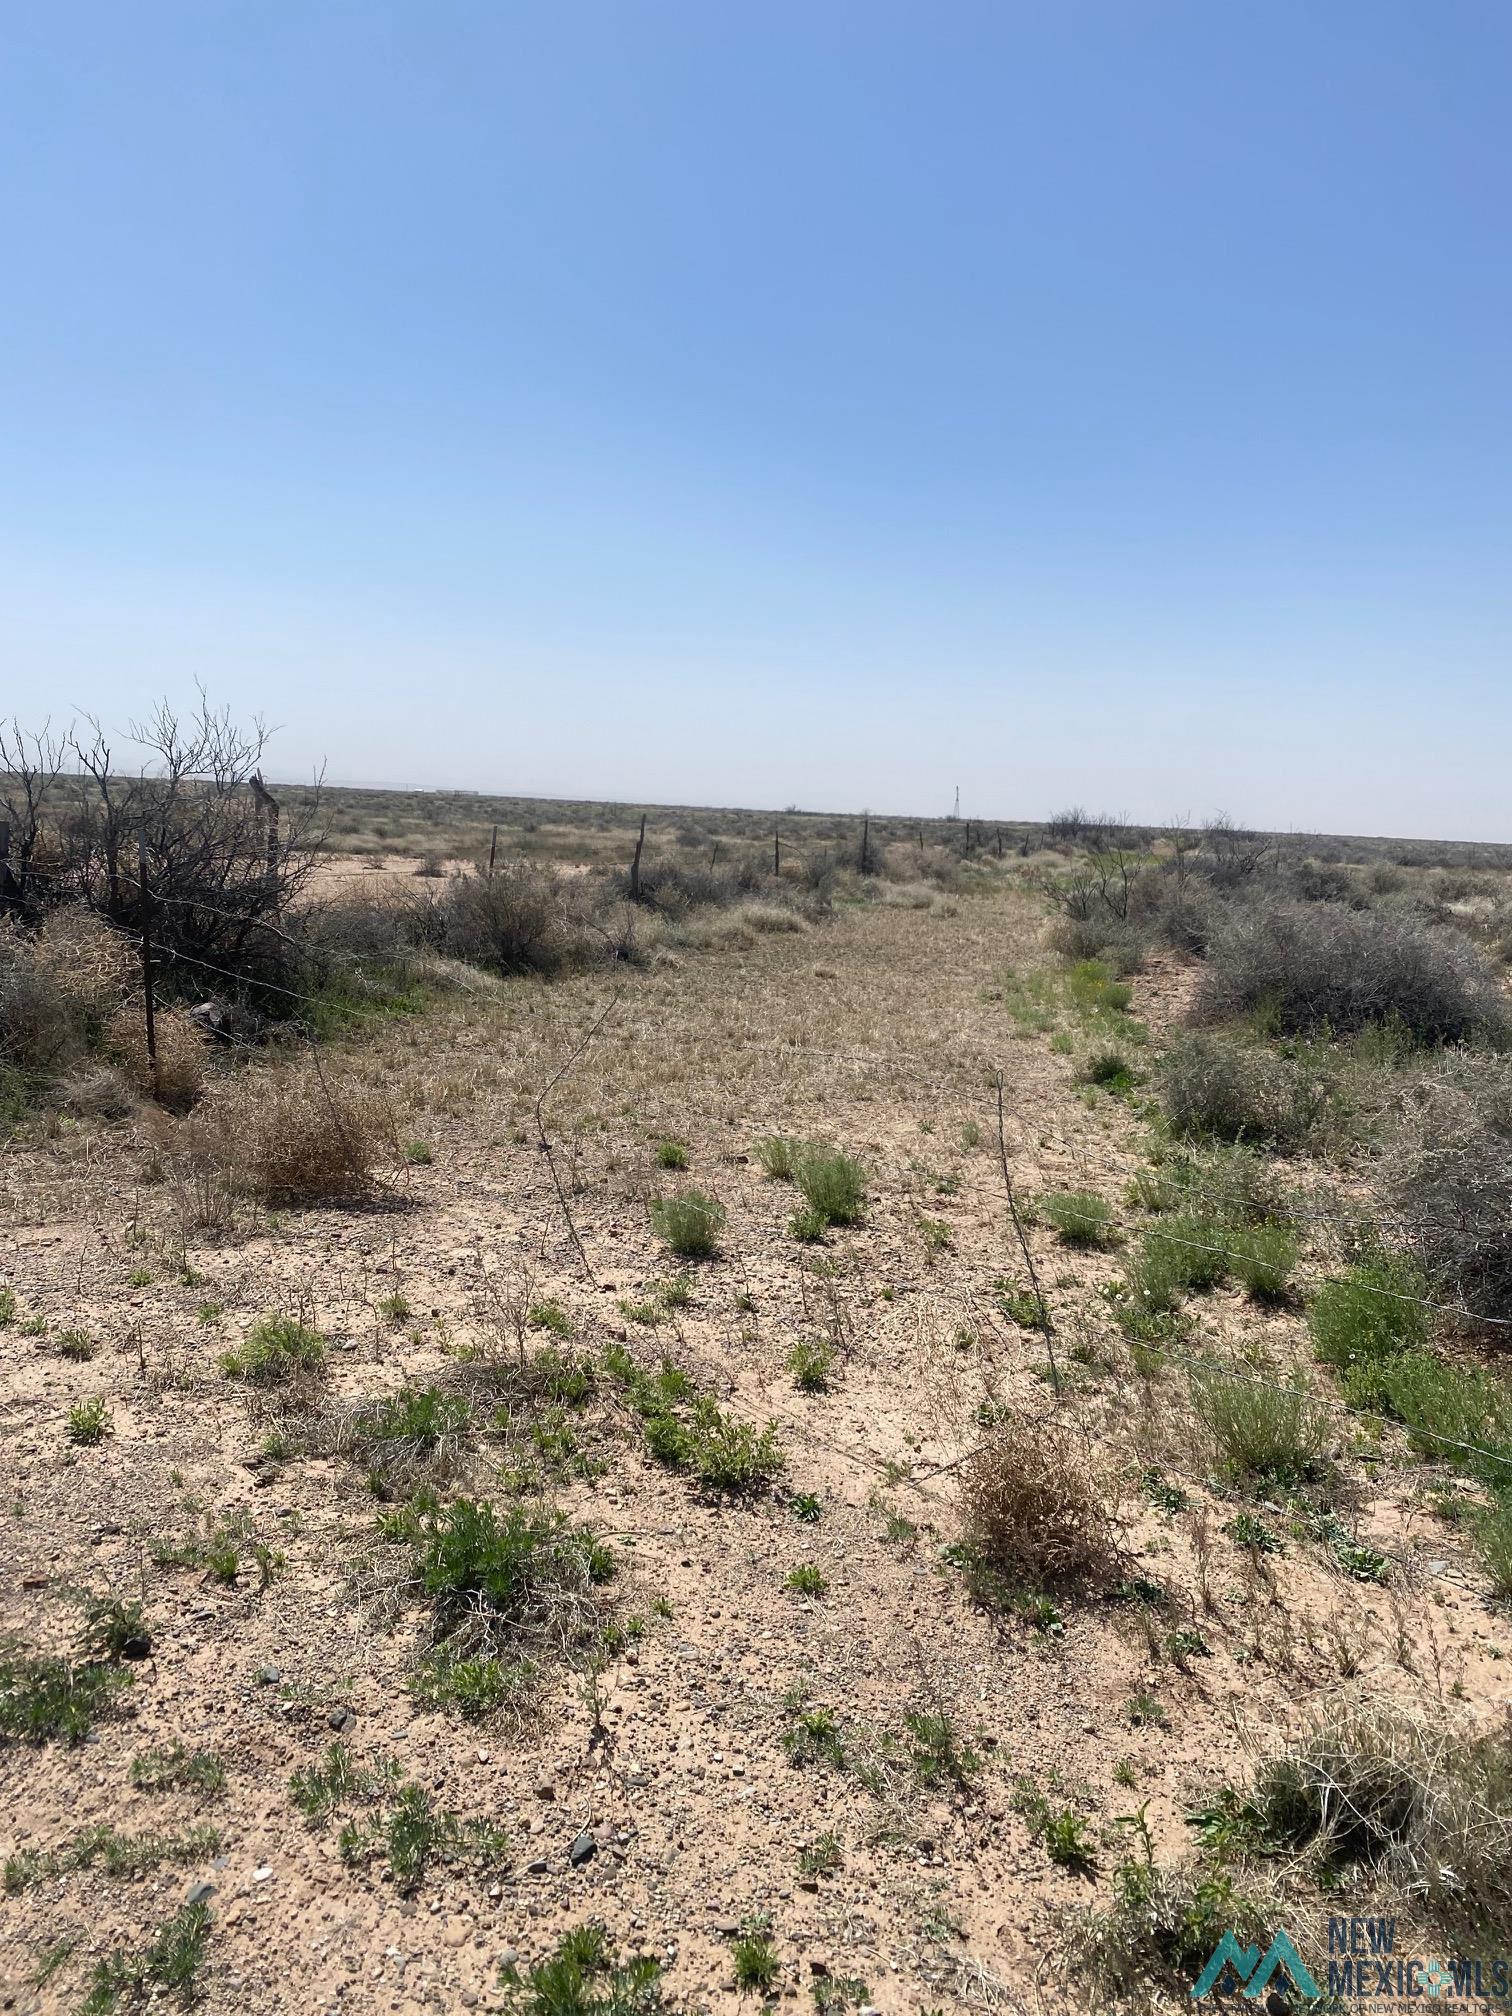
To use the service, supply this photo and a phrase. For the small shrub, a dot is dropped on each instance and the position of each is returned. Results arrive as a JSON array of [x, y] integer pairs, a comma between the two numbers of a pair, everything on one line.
[[496, 1582], [671, 1155], [756, 1965], [811, 1362], [89, 1423], [1079, 1217], [1062, 1832], [549, 1314], [583, 1977], [1261, 1431], [76, 1345], [812, 1735], [417, 1431], [169, 1966], [1108, 1068], [807, 1580], [808, 1227], [1263, 1258], [833, 1185], [1491, 1530], [1316, 967], [1032, 1512], [273, 1351], [937, 1753], [1409, 1800], [690, 1222], [291, 1137], [778, 1155], [1364, 1318], [113, 1629], [1448, 1179], [1217, 1088], [48, 1700]]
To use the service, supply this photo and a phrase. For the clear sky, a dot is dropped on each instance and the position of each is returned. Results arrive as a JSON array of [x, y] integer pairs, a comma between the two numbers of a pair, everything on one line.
[[814, 401]]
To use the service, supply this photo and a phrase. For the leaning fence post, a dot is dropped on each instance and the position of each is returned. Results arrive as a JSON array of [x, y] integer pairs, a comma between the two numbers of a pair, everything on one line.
[[493, 848], [635, 862]]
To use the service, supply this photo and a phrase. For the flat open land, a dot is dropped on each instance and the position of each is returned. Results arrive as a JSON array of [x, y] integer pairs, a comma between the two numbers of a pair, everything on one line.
[[798, 1721]]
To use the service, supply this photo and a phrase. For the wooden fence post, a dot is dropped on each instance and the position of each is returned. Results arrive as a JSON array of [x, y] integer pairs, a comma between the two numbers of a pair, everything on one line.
[[635, 862], [147, 1001], [776, 850], [493, 848]]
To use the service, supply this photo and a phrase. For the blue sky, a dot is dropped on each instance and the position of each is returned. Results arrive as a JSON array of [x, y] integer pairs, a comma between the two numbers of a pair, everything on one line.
[[825, 403]]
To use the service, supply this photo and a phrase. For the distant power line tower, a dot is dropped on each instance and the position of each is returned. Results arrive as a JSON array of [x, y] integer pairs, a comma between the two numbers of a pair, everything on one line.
[[956, 813]]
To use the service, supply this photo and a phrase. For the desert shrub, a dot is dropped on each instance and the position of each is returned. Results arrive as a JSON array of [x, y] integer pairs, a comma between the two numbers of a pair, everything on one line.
[[58, 987], [47, 1700], [690, 1222], [1117, 942], [273, 1351], [686, 1430], [181, 1062], [170, 1965], [833, 1185], [419, 1431], [584, 1977], [291, 1137], [1305, 968], [1217, 1088], [778, 1155], [1491, 1531], [1261, 1431], [94, 1092], [517, 922], [1365, 1317], [1263, 1258], [511, 1582], [1453, 1413], [1032, 1511], [1079, 1217], [1162, 1925], [1420, 1803], [1448, 1177]]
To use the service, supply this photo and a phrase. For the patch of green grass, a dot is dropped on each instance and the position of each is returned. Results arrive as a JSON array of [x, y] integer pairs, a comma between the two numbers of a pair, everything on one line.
[[812, 1735], [273, 1351], [1078, 1217], [169, 1967], [1145, 1712], [1262, 1430], [548, 1314], [412, 1833], [1061, 1831], [690, 1223], [1491, 1530], [396, 1307], [474, 1685], [1110, 1070], [1019, 1305], [1365, 1318], [418, 1429], [805, 1507], [583, 1977], [833, 1185], [101, 1847], [935, 1234], [778, 1155], [811, 1361], [686, 1430], [76, 1345], [671, 1154], [89, 1423], [502, 1579], [821, 1857], [937, 1753], [112, 1628], [7, 1307], [418, 1152], [179, 1769], [1164, 1496], [756, 1964], [807, 1580], [1263, 1259]]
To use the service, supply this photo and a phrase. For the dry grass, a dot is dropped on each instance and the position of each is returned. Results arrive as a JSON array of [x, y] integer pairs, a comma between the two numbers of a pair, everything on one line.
[[293, 1137], [1033, 1510]]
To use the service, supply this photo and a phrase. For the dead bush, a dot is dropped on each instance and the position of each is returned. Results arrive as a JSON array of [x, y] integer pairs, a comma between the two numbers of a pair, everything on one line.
[[1215, 1088], [181, 1073], [58, 985], [1448, 1177], [1303, 968], [1032, 1509], [287, 1137]]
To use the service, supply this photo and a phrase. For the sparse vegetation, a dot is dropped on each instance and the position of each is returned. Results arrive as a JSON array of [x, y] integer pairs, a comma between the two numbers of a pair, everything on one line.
[[273, 1351], [689, 1222]]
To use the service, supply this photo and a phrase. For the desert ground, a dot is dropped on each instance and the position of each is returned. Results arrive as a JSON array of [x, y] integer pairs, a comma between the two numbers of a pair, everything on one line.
[[799, 1735]]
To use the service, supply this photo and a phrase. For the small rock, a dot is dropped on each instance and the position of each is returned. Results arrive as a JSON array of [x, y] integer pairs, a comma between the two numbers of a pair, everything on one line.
[[727, 1928], [546, 1789], [137, 1646], [537, 1868], [199, 1893], [263, 1875], [582, 1850], [341, 1719], [819, 1968], [268, 1676]]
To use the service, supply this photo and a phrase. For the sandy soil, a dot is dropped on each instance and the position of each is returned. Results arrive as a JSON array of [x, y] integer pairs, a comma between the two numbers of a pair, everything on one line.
[[879, 1032]]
